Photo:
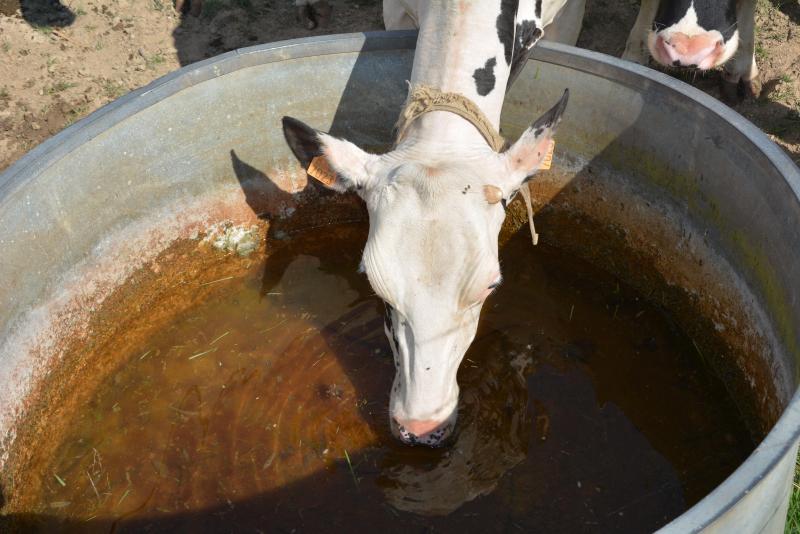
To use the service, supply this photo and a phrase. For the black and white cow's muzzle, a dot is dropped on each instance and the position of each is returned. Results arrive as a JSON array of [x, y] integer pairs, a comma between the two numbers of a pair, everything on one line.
[[698, 34], [424, 396]]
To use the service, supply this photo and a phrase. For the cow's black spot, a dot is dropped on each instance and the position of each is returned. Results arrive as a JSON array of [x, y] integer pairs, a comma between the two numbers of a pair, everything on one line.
[[484, 77], [387, 316], [387, 320], [717, 15], [538, 9], [552, 116], [527, 34], [505, 26], [396, 344], [669, 12]]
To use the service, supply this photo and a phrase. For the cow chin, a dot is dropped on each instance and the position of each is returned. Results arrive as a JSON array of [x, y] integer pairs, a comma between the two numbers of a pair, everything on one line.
[[703, 51]]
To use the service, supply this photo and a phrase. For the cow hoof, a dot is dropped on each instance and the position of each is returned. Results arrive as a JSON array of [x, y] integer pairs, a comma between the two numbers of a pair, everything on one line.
[[322, 13], [305, 17], [636, 54], [735, 92], [751, 89]]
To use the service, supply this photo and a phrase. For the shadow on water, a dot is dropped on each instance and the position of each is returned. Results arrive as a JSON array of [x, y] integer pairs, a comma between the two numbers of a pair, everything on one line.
[[39, 13]]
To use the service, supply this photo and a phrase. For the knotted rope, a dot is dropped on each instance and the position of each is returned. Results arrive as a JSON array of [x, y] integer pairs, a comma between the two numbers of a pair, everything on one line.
[[425, 98]]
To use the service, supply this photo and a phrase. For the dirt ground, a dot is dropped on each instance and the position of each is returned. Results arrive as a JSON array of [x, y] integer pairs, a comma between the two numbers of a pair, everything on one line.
[[61, 61]]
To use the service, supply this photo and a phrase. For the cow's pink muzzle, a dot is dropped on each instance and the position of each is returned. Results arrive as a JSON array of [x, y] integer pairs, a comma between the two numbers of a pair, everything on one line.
[[700, 51], [430, 433]]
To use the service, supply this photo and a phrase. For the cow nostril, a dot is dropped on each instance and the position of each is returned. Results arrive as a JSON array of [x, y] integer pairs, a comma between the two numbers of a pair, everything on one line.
[[430, 433], [420, 428]]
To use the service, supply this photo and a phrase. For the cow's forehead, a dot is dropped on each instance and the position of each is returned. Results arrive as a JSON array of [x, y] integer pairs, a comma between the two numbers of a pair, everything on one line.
[[416, 191], [432, 237], [423, 237]]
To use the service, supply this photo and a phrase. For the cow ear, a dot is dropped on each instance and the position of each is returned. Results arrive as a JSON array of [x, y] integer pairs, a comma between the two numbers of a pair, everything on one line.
[[527, 155], [338, 164]]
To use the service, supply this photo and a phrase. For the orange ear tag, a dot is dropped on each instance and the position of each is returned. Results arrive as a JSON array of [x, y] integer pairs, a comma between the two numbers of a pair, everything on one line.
[[321, 170], [547, 162]]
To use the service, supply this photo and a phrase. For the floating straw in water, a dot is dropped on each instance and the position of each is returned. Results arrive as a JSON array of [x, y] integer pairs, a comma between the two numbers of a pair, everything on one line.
[[220, 337], [127, 491], [350, 465], [202, 353], [215, 281]]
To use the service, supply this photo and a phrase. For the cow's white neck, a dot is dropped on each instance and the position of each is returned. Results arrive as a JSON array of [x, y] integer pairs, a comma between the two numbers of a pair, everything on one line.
[[455, 39]]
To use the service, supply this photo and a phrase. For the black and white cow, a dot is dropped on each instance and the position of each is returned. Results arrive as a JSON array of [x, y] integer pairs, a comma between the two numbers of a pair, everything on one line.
[[701, 34], [435, 270]]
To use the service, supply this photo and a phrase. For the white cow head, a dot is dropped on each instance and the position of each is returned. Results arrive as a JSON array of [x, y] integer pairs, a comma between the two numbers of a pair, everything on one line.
[[431, 254]]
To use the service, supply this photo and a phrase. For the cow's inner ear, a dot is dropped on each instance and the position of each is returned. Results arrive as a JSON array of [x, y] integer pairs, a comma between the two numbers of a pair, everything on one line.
[[302, 139], [336, 163], [532, 149]]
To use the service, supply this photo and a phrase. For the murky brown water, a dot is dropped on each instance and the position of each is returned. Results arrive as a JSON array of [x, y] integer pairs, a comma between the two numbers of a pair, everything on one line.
[[583, 409]]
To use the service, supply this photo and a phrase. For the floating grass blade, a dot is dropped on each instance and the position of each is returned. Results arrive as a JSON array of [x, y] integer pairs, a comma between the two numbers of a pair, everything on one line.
[[350, 466], [215, 281], [97, 493], [64, 484], [127, 492], [699, 352], [220, 337], [192, 357]]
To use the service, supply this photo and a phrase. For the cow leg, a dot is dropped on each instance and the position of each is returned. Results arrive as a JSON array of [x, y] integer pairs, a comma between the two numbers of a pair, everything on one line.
[[304, 14], [400, 15], [636, 47], [322, 12], [566, 26], [740, 74]]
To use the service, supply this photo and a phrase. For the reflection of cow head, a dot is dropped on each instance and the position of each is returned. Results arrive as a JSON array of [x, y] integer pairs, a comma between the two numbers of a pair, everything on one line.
[[431, 253], [694, 33]]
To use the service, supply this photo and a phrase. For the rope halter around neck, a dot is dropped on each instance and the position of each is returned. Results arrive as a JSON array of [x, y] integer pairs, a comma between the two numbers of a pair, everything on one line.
[[424, 99]]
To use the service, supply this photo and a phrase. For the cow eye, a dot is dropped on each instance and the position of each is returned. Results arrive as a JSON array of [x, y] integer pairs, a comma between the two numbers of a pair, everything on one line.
[[496, 284]]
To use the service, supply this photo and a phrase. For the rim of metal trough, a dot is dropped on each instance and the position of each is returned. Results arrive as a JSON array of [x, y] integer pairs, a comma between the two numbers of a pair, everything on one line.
[[766, 455]]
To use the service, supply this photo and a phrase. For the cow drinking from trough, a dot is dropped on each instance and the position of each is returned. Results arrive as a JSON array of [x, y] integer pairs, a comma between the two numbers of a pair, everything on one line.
[[437, 200]]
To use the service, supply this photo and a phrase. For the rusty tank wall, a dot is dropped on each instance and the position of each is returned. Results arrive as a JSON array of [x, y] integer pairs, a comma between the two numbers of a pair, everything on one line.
[[646, 163]]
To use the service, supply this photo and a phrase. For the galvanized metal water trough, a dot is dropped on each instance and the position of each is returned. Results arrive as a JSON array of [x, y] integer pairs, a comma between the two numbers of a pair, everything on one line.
[[693, 188]]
